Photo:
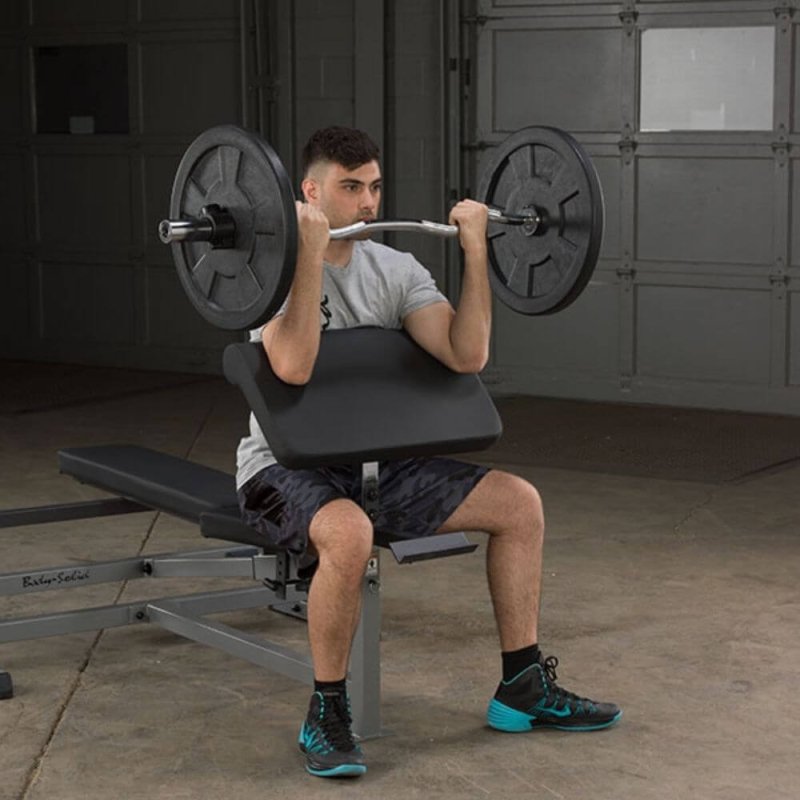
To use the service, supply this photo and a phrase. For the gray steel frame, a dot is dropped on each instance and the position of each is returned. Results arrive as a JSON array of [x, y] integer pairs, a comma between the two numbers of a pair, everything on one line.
[[185, 615]]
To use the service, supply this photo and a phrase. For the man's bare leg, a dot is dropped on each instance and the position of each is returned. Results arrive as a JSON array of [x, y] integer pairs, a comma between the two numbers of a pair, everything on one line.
[[341, 534], [509, 509]]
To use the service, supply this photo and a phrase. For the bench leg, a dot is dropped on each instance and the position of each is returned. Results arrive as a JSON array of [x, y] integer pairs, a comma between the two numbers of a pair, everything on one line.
[[365, 657], [6, 686]]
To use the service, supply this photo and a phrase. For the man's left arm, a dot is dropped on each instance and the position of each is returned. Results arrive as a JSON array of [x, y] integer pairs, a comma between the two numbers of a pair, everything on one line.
[[460, 338]]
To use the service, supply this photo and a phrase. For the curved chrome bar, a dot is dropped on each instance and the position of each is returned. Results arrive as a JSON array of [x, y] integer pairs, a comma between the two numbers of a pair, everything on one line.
[[420, 225], [427, 226]]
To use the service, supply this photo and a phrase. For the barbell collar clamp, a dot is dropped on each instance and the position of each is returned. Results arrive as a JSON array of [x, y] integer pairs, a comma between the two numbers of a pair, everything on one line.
[[529, 221], [215, 225], [185, 230]]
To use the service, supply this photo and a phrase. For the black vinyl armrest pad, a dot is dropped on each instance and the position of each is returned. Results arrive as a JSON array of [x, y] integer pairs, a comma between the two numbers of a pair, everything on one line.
[[374, 395]]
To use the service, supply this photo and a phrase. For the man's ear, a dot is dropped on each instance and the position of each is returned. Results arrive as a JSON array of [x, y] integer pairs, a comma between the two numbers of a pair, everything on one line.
[[310, 189]]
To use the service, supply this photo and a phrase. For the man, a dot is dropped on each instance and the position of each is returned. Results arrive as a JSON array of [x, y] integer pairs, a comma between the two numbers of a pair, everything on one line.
[[349, 283]]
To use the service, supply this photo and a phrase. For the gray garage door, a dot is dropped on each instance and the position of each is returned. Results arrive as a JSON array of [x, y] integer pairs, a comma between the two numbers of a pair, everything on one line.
[[686, 109]]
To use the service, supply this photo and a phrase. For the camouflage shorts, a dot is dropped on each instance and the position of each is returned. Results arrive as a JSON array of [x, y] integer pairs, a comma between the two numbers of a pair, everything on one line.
[[416, 497]]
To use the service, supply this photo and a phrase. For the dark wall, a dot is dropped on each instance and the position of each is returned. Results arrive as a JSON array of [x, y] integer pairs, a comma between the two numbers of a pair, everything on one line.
[[101, 99]]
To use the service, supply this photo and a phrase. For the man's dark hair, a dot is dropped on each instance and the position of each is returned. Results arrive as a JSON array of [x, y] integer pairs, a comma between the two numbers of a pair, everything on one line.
[[348, 147]]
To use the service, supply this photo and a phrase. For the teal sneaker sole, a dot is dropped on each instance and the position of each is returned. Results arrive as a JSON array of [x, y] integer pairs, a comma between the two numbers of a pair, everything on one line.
[[342, 771], [339, 771], [502, 718]]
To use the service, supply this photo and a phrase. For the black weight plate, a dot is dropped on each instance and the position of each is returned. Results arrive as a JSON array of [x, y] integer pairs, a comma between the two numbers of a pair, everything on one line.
[[545, 169], [240, 287]]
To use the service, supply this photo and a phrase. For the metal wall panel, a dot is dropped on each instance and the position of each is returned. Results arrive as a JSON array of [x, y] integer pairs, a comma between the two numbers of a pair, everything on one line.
[[414, 148], [105, 314], [11, 90], [576, 341], [188, 11], [12, 15], [73, 215], [188, 86], [172, 321], [715, 210], [794, 338], [610, 174], [15, 319], [543, 8], [79, 12], [159, 173], [795, 213], [328, 77], [13, 198], [795, 36], [323, 60], [703, 333], [527, 88]]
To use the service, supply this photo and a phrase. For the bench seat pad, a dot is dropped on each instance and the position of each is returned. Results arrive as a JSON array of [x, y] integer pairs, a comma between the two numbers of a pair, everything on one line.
[[158, 480]]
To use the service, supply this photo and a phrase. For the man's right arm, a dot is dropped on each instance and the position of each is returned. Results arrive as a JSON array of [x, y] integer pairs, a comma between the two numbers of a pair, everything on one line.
[[292, 338]]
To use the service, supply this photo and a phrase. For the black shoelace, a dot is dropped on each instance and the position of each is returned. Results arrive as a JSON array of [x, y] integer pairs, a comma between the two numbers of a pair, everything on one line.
[[335, 723], [555, 694]]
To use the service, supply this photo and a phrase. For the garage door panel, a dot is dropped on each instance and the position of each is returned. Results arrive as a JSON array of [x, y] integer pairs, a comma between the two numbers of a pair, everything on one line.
[[528, 80], [710, 210], [794, 338], [696, 333], [567, 341]]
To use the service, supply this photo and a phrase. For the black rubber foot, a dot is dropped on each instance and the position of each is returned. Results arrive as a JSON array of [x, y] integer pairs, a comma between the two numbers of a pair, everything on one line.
[[6, 687]]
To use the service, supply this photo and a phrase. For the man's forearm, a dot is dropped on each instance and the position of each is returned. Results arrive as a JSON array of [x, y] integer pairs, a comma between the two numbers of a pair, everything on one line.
[[471, 327], [294, 342]]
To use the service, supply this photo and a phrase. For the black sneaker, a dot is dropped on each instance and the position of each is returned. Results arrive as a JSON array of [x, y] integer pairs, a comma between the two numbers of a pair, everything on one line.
[[326, 738], [533, 700]]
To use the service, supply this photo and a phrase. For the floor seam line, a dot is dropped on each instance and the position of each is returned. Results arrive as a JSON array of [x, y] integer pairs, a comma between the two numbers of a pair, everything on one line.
[[36, 769]]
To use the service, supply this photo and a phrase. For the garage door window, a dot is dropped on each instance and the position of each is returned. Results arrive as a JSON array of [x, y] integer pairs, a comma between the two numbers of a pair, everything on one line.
[[707, 79]]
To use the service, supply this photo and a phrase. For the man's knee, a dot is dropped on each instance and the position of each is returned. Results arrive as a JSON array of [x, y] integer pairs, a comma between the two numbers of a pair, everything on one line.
[[341, 533], [518, 502]]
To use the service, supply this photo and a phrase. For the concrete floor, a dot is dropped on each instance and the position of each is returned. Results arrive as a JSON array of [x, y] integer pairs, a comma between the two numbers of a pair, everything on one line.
[[676, 598]]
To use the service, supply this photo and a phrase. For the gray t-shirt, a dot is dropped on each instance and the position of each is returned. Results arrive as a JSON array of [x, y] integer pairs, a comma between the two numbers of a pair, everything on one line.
[[379, 287]]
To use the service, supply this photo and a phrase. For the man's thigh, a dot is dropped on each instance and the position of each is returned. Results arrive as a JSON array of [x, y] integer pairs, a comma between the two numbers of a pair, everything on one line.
[[499, 498], [280, 503], [418, 495]]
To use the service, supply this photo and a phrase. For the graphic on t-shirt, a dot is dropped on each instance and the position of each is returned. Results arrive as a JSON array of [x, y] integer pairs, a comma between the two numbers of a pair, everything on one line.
[[326, 312]]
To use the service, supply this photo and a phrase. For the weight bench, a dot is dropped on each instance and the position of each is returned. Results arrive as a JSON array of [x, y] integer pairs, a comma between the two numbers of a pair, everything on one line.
[[364, 404]]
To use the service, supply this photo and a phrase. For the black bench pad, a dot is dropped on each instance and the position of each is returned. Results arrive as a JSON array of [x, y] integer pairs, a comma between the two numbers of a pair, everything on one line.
[[226, 523], [161, 481]]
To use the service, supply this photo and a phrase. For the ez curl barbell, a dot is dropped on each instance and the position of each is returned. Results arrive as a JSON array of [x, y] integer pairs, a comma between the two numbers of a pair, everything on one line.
[[215, 225], [233, 224]]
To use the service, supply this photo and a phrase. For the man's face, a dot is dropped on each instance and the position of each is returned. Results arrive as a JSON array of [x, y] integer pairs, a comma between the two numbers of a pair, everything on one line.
[[346, 196]]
